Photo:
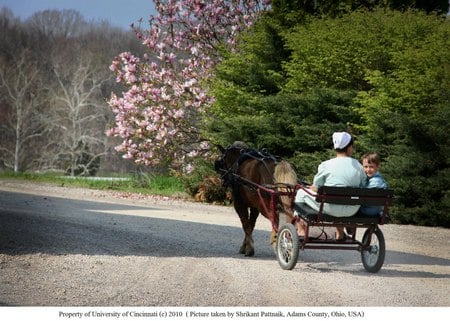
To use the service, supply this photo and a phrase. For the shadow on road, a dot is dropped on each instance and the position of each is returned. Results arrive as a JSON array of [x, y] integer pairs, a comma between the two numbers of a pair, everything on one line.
[[36, 224]]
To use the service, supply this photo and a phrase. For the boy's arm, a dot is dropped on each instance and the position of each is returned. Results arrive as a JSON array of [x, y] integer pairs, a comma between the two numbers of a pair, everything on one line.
[[377, 182]]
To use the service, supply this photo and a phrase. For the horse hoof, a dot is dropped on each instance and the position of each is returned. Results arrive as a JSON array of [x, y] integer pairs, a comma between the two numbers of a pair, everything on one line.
[[252, 253]]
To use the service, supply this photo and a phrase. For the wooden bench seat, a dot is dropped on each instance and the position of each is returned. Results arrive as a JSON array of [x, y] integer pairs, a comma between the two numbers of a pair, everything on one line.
[[347, 196], [310, 214]]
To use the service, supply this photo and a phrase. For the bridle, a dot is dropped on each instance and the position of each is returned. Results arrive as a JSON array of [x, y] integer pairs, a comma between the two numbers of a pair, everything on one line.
[[224, 171]]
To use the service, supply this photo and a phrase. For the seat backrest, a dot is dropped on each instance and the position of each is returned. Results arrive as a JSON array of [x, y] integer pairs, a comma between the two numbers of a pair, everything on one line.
[[355, 196]]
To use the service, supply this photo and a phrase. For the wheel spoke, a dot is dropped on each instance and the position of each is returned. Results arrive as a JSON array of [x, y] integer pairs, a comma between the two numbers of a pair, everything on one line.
[[373, 256]]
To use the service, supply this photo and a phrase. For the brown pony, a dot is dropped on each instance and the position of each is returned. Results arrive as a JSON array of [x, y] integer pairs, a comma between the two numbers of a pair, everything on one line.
[[255, 177]]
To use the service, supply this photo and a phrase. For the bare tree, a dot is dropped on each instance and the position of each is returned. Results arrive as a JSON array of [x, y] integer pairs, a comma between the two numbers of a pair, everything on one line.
[[12, 34], [78, 113], [19, 80], [54, 24], [53, 113]]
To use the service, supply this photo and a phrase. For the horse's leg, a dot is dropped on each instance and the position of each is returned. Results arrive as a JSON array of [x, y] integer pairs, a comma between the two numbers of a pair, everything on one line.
[[250, 247], [243, 248], [242, 212], [248, 221]]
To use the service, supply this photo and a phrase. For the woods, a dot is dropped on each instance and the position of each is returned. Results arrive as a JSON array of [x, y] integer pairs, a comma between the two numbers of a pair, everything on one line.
[[280, 75], [54, 80]]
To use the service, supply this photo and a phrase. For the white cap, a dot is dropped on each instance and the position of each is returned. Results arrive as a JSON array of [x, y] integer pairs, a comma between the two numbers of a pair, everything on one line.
[[341, 140]]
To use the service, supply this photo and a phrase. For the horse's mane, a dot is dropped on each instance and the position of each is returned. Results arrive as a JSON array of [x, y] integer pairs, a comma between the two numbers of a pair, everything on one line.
[[238, 145], [283, 173], [251, 153], [260, 155]]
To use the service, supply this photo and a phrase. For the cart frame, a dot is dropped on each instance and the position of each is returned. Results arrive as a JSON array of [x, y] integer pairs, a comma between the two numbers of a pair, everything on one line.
[[372, 244]]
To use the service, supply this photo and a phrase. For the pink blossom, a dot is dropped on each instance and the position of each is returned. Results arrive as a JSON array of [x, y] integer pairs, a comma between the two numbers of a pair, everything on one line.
[[204, 145], [189, 168], [179, 114], [157, 115]]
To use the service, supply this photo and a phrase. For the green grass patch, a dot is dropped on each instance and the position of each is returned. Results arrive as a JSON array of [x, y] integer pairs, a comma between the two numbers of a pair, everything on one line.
[[142, 183]]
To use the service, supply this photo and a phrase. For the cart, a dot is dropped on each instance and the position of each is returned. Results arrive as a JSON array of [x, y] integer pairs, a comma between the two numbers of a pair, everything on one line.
[[372, 244]]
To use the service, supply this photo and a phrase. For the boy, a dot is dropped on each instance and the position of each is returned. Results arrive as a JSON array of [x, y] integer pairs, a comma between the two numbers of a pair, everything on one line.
[[371, 164]]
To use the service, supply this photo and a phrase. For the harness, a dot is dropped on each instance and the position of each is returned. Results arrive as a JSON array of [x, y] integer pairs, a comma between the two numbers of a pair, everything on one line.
[[231, 176], [266, 193]]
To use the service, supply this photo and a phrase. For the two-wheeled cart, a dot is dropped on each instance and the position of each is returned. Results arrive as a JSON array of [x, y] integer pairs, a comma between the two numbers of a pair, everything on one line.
[[371, 245]]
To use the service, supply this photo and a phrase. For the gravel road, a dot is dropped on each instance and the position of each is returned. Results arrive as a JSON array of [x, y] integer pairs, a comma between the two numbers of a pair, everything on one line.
[[64, 246]]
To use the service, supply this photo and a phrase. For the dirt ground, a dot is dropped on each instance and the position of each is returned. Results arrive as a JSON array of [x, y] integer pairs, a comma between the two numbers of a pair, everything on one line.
[[63, 246]]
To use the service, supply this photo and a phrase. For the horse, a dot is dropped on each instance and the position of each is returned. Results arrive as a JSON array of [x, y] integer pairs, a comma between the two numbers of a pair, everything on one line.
[[250, 174]]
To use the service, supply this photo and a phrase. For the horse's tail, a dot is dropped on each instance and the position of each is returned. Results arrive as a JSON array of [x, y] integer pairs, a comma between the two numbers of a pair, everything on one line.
[[284, 174], [285, 180]]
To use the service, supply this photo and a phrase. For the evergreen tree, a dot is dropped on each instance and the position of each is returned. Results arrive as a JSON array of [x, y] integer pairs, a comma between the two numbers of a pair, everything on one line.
[[381, 74]]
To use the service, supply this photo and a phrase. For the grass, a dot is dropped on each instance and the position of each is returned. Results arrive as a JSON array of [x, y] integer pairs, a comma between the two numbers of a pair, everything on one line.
[[144, 183]]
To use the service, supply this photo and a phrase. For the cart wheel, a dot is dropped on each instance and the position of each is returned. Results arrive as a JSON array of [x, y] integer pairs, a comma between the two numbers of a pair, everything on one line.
[[373, 257], [287, 247]]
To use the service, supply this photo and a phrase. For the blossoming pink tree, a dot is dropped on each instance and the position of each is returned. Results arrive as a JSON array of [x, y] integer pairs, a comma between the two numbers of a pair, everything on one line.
[[158, 117]]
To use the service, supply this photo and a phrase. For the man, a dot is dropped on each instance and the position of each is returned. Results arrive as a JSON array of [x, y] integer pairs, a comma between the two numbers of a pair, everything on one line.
[[343, 170]]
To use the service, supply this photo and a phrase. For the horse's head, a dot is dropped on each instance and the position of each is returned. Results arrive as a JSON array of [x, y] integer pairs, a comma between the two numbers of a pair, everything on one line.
[[229, 158]]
